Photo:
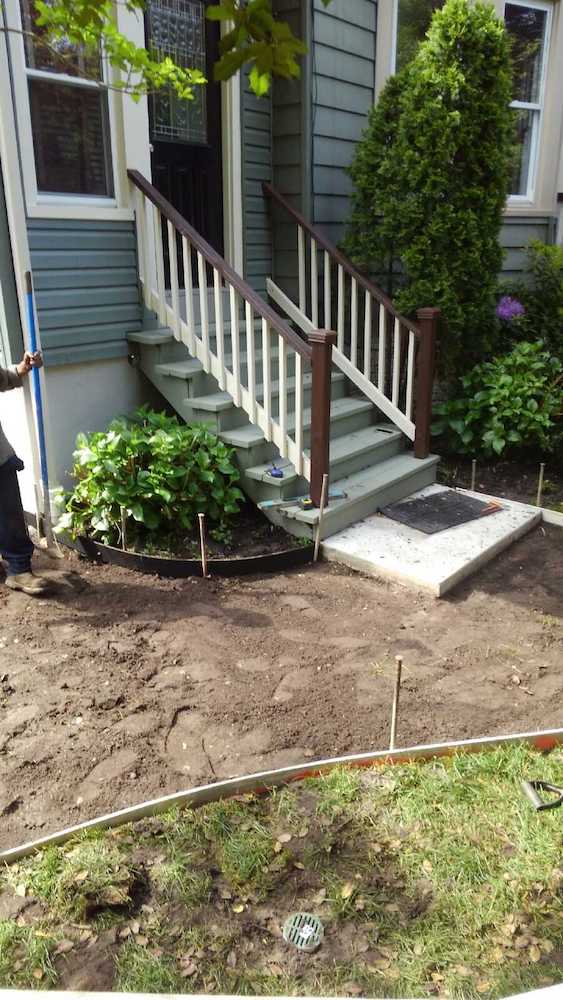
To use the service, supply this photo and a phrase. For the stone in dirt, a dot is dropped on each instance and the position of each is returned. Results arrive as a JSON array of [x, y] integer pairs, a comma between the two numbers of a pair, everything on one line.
[[138, 724], [91, 969], [107, 771]]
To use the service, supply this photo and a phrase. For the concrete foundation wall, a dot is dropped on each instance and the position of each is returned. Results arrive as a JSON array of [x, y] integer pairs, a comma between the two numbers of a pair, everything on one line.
[[85, 398]]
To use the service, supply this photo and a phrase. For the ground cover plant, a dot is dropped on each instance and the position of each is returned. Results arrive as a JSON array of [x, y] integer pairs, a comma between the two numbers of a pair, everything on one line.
[[434, 879], [142, 483]]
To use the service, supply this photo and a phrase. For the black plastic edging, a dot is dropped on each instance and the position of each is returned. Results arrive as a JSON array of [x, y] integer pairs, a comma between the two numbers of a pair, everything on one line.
[[182, 568]]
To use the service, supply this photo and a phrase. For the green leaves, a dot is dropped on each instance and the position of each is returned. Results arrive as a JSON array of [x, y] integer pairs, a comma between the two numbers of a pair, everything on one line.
[[431, 175], [258, 39], [254, 37], [156, 471], [513, 402]]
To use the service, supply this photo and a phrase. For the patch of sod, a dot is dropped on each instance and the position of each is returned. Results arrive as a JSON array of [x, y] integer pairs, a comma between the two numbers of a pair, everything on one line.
[[431, 879]]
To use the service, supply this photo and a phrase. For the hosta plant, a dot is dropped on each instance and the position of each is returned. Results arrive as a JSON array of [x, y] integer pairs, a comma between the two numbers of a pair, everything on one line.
[[148, 477]]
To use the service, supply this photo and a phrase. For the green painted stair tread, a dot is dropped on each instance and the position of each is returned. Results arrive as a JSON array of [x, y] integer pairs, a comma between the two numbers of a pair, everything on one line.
[[152, 338], [343, 448], [250, 435], [179, 369], [214, 402], [372, 483]]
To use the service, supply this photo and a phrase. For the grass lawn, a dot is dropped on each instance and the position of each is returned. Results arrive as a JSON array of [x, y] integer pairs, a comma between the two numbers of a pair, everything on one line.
[[434, 879]]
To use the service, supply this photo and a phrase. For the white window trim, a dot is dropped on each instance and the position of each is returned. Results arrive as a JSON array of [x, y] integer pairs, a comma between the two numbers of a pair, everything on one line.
[[537, 107], [47, 205]]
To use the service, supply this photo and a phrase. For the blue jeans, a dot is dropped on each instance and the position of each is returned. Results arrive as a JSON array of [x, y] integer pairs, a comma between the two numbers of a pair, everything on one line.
[[16, 547]]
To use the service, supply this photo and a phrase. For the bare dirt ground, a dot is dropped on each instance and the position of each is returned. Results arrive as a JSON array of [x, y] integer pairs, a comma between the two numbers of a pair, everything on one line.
[[120, 688]]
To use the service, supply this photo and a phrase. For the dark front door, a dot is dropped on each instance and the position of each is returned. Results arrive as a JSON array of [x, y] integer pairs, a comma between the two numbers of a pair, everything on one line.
[[186, 135]]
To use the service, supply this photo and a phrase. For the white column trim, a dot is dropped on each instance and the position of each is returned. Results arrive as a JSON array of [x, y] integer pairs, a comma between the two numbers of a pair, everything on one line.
[[232, 172]]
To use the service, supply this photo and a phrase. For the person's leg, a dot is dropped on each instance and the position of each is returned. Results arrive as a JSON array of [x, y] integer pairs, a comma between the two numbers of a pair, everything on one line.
[[16, 546]]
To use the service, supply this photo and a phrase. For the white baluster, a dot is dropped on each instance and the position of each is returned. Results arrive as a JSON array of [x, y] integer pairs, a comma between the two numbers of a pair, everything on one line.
[[396, 362], [173, 255], [410, 376], [340, 321], [314, 284], [235, 343], [267, 379], [354, 324], [302, 270], [219, 327], [251, 361], [382, 359], [159, 250], [282, 347], [141, 217], [328, 294], [367, 336], [299, 412], [189, 290], [203, 311]]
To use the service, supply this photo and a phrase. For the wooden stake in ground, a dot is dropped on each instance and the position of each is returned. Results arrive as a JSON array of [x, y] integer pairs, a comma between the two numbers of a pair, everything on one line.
[[324, 489], [395, 708], [123, 529], [540, 485], [201, 518], [473, 474]]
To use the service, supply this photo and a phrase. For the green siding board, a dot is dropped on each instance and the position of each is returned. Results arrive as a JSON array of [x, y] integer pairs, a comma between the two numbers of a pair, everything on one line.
[[516, 235], [76, 240], [333, 152], [344, 66], [343, 37], [331, 181], [85, 276], [339, 96], [97, 278], [360, 12], [339, 124], [256, 168], [61, 319], [73, 298], [67, 260]]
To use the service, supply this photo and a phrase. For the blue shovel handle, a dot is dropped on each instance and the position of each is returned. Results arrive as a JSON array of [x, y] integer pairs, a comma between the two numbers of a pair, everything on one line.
[[36, 381]]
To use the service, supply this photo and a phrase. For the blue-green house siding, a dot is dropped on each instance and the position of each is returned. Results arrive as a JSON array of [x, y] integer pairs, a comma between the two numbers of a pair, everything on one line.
[[343, 89], [256, 168], [516, 235], [86, 287]]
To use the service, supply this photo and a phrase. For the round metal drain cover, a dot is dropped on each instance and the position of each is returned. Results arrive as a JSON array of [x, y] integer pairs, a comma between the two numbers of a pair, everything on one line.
[[304, 931]]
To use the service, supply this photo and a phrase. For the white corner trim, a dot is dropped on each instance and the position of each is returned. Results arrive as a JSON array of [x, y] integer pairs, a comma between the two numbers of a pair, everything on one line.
[[232, 172]]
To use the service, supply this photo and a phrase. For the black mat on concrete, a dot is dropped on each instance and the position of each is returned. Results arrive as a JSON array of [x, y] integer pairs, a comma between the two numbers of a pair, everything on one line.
[[439, 511]]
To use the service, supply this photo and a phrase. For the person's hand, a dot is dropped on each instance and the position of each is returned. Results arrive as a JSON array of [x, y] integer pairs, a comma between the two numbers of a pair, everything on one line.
[[28, 362]]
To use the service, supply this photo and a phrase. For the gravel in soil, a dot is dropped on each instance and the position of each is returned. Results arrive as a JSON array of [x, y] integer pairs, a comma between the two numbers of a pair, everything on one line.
[[120, 688]]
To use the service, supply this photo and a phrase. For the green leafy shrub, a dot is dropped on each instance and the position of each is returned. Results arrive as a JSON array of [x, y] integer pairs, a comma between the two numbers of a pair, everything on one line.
[[156, 471], [512, 403], [431, 176], [542, 299]]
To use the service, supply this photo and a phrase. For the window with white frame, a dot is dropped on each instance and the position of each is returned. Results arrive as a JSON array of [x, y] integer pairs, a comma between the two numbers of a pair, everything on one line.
[[528, 25], [69, 115]]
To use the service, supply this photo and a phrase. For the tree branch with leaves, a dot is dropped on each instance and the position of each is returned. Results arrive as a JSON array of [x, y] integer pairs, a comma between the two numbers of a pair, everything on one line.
[[253, 36]]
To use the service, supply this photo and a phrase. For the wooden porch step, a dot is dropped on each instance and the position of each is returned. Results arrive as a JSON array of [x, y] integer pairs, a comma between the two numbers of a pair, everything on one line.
[[342, 411]]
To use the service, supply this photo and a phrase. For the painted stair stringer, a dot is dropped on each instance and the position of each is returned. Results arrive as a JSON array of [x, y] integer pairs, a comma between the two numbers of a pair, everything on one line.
[[368, 457]]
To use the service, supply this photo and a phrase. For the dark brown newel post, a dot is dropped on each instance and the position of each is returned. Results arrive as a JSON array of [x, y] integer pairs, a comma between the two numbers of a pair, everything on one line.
[[321, 342], [428, 322]]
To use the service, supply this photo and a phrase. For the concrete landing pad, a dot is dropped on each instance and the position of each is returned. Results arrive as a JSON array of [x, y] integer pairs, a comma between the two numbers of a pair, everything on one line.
[[435, 563]]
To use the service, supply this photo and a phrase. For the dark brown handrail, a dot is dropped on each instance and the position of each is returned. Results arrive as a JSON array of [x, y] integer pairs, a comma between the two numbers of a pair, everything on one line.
[[215, 260], [340, 258]]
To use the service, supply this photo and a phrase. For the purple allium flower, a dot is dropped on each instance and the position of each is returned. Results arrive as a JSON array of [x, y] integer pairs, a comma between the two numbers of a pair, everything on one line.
[[509, 308]]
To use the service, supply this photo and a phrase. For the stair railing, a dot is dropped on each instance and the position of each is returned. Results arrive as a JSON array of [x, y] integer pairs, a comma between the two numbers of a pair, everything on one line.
[[189, 253], [388, 357]]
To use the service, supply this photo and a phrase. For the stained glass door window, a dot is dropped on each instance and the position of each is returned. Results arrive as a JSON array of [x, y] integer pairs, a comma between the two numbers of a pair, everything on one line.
[[176, 28]]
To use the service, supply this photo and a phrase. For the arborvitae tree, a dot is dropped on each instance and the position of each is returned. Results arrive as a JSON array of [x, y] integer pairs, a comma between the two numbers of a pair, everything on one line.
[[431, 176]]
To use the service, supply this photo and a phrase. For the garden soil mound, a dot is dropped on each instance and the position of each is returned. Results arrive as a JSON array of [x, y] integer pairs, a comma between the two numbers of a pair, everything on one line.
[[120, 688]]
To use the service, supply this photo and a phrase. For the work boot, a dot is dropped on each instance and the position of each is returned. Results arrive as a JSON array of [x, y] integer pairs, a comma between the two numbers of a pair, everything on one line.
[[30, 584]]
